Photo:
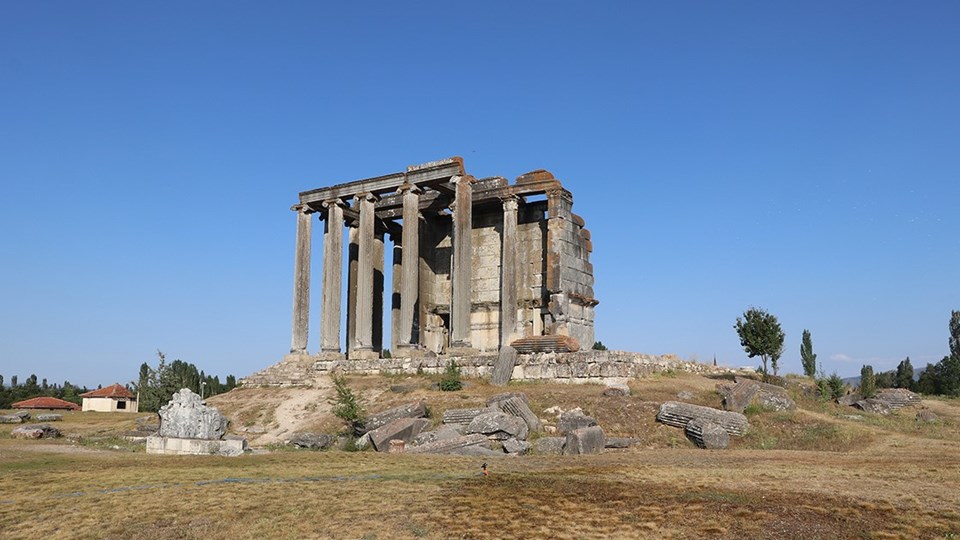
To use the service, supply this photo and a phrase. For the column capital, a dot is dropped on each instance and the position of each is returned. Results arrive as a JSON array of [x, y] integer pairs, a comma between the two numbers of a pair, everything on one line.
[[510, 202], [366, 196], [408, 187], [463, 179], [333, 202], [302, 209]]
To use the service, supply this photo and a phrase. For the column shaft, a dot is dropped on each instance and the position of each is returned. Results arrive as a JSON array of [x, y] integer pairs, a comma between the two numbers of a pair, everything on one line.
[[410, 282], [508, 273], [332, 278], [301, 283], [395, 293], [363, 340], [462, 264]]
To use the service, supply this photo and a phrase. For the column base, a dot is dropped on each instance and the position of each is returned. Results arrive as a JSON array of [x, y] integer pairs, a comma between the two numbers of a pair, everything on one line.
[[328, 356], [363, 354], [412, 351], [296, 356]]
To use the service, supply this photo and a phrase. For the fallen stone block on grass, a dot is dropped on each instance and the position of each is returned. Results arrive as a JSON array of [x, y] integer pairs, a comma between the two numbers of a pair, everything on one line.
[[707, 434], [49, 417], [574, 419], [518, 407], [676, 414], [35, 431], [617, 390], [410, 410], [583, 441], [404, 429], [549, 445], [514, 446], [620, 442], [873, 405], [448, 446], [446, 431], [462, 416], [499, 425], [311, 441]]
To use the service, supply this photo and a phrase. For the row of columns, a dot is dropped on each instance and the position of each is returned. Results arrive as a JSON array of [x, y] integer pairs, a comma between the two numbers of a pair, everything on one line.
[[362, 305]]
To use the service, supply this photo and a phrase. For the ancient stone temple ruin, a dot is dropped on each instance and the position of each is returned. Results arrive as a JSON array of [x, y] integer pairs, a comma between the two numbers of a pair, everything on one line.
[[477, 264]]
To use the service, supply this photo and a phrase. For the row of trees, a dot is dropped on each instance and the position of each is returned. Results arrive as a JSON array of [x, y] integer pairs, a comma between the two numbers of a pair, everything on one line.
[[761, 335], [15, 391], [156, 385]]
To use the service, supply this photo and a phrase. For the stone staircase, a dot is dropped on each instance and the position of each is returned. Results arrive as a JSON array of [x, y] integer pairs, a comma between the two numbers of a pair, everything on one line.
[[293, 370]]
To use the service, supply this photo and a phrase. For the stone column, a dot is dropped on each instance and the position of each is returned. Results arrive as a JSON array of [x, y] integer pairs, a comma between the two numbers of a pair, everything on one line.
[[395, 292], [508, 272], [379, 278], [363, 340], [410, 281], [332, 278], [301, 282], [462, 265], [353, 256]]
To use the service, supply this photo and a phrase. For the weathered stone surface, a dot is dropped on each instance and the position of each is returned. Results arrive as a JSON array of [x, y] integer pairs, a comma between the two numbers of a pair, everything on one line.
[[312, 441], [404, 429], [462, 416], [410, 410], [617, 390], [10, 419], [898, 398], [685, 395], [446, 431], [494, 401], [362, 442], [397, 446], [736, 397], [585, 440], [49, 417], [503, 369], [478, 451], [198, 447], [35, 431], [187, 417], [706, 434], [518, 407], [620, 442], [926, 415], [549, 445], [849, 399], [676, 414], [447, 446], [574, 419], [873, 405], [499, 425], [514, 446], [549, 343]]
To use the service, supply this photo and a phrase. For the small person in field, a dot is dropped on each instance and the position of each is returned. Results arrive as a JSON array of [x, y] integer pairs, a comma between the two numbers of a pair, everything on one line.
[[484, 470]]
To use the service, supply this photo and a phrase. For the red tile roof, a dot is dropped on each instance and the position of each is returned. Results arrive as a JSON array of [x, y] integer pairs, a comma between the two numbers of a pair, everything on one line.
[[45, 403], [114, 391]]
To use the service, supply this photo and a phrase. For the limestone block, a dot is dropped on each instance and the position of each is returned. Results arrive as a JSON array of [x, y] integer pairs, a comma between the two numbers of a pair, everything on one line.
[[617, 390], [410, 410], [707, 434], [677, 414], [514, 446], [35, 431], [444, 432], [199, 447], [462, 416], [186, 416], [549, 445], [586, 440], [518, 407], [620, 442], [49, 417], [450, 445], [10, 419], [404, 429], [499, 425], [574, 419], [311, 441]]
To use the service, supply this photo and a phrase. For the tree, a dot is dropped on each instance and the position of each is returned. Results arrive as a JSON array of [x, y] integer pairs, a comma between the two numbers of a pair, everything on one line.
[[761, 335], [599, 346], [868, 384], [904, 376], [807, 356], [450, 382], [884, 379], [347, 406]]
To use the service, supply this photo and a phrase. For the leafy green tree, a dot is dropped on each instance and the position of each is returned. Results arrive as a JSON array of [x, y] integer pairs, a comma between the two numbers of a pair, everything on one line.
[[347, 406], [599, 346], [904, 376], [807, 356], [450, 382], [761, 335], [884, 379], [868, 384]]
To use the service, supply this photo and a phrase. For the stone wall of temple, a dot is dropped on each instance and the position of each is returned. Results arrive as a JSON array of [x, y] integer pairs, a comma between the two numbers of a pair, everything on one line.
[[485, 278]]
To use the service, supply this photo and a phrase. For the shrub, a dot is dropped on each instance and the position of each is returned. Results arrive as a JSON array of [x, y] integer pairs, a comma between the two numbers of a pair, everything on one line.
[[347, 406], [599, 346], [451, 378]]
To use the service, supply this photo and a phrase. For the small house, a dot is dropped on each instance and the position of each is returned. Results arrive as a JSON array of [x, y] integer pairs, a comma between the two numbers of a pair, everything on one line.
[[113, 398], [48, 403]]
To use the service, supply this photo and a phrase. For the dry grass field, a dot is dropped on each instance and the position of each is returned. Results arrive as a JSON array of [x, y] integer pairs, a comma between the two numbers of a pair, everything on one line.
[[818, 472]]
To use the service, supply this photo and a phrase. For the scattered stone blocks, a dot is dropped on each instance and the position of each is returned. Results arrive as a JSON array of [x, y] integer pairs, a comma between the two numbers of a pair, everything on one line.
[[586, 440]]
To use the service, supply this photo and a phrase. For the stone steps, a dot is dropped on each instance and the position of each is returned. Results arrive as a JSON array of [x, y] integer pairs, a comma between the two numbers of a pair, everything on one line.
[[291, 371]]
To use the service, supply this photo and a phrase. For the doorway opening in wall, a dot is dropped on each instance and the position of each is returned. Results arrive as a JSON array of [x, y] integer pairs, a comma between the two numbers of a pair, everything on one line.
[[121, 405]]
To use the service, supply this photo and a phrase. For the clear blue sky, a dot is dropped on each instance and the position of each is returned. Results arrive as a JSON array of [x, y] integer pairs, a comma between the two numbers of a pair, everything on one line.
[[802, 157]]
